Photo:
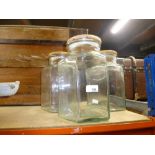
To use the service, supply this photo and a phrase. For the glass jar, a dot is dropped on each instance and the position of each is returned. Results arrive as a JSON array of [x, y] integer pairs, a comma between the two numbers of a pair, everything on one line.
[[83, 81], [49, 82], [116, 81]]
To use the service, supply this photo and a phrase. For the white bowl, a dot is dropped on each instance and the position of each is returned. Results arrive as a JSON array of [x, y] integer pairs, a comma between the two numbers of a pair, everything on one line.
[[9, 88]]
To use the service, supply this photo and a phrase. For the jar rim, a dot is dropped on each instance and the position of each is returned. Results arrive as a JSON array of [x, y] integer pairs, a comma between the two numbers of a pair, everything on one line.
[[109, 52], [84, 37]]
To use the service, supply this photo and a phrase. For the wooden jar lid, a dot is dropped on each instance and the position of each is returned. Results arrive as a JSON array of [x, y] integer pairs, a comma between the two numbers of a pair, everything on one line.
[[109, 52], [84, 37]]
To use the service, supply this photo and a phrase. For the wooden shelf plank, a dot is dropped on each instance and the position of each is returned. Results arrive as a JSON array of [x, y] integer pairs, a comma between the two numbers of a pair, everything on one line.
[[34, 120]]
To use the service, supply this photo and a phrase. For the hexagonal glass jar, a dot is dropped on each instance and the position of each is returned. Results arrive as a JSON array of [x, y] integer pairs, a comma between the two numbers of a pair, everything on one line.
[[49, 82], [116, 81], [83, 91]]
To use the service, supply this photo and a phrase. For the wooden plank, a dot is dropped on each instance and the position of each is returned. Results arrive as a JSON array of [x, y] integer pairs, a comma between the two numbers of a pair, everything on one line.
[[23, 63], [29, 89], [35, 117], [22, 79], [34, 33], [26, 55], [20, 100], [12, 51], [27, 76], [20, 71], [34, 120]]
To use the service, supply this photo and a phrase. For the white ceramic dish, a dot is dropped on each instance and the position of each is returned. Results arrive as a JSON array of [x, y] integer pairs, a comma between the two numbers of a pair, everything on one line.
[[9, 88]]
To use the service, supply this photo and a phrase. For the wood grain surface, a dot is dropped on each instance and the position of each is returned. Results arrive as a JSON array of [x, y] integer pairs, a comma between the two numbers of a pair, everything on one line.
[[26, 55], [28, 117], [34, 33]]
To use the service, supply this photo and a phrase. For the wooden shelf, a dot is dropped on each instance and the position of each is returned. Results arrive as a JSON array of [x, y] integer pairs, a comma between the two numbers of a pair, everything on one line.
[[34, 120]]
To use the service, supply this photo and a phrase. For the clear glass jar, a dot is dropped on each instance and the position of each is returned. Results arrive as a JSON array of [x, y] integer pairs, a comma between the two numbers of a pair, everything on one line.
[[83, 81], [116, 81], [49, 82]]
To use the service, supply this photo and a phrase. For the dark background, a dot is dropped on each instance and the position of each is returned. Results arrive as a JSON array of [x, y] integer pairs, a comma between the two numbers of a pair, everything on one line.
[[137, 38]]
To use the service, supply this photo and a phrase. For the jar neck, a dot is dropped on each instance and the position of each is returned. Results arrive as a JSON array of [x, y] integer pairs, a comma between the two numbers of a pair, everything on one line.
[[53, 60], [110, 59]]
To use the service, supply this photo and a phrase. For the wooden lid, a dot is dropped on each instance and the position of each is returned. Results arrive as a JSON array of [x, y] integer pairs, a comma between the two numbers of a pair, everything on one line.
[[84, 37], [109, 52]]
